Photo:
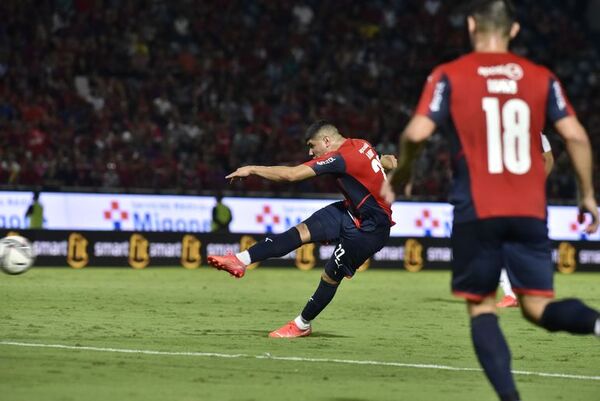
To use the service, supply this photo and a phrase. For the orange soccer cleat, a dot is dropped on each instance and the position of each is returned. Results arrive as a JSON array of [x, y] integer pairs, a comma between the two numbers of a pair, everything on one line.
[[290, 330], [508, 302], [230, 263]]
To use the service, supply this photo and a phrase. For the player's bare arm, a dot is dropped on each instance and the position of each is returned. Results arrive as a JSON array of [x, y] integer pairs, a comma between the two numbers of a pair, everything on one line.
[[416, 132], [579, 149], [548, 162], [274, 173]]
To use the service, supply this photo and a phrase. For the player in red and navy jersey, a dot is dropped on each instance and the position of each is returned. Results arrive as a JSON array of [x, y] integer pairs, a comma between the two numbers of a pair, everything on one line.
[[360, 225], [493, 104], [510, 299]]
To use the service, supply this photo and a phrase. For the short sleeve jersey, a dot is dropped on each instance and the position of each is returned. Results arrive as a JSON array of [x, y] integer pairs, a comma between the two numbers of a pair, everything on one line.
[[493, 107], [359, 176]]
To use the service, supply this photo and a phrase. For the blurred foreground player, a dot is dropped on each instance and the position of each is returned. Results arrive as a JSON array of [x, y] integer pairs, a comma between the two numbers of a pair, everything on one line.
[[360, 225], [493, 104], [510, 299]]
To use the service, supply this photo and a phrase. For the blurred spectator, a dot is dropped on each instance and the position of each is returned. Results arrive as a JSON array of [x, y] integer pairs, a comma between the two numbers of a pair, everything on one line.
[[35, 212], [173, 95], [221, 216]]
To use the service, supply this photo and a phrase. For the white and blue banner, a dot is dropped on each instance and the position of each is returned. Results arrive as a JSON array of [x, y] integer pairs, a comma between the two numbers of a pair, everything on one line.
[[173, 213]]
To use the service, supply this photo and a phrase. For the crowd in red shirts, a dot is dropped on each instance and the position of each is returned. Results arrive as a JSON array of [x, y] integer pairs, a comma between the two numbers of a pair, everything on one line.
[[172, 96]]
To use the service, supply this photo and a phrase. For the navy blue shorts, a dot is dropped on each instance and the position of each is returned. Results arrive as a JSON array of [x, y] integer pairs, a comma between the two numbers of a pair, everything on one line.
[[482, 247], [354, 246]]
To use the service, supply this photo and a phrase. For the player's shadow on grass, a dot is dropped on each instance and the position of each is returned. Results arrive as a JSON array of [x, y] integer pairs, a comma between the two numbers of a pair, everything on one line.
[[444, 300], [265, 333], [328, 335]]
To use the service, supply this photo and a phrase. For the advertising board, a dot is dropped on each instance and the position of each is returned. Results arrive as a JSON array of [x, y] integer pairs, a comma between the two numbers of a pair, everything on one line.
[[171, 213]]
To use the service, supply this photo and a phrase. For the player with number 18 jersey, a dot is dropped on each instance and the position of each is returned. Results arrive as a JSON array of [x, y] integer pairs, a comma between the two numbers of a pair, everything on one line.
[[493, 106]]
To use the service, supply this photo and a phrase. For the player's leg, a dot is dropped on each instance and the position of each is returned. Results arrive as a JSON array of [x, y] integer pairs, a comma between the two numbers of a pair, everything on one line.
[[319, 225], [491, 347], [570, 315], [510, 299], [353, 248], [533, 282], [272, 246], [323, 295], [475, 270]]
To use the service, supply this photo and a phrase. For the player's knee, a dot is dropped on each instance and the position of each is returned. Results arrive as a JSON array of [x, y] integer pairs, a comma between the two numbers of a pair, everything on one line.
[[532, 307], [304, 233], [485, 306], [328, 279]]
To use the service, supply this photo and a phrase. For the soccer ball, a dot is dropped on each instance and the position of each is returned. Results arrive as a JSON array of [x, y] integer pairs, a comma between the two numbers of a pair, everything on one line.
[[16, 254]]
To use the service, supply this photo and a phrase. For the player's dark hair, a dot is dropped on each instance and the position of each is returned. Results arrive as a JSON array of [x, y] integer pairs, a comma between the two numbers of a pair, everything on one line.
[[493, 15], [315, 127]]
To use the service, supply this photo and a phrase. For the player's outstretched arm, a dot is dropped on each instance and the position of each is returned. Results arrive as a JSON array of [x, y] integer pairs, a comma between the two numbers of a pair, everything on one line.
[[580, 152], [274, 173]]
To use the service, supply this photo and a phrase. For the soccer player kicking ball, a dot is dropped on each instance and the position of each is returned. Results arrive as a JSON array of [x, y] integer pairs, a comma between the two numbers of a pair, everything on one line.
[[360, 225], [510, 299], [493, 105]]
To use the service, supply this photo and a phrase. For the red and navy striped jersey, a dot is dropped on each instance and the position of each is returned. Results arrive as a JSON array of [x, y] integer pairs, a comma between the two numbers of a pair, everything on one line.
[[493, 107], [359, 176]]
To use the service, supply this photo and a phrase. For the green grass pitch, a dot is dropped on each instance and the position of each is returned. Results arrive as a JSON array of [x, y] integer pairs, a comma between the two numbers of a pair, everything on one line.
[[178, 316]]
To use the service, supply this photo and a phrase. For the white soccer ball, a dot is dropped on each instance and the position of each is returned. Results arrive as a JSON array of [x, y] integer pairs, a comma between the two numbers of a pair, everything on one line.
[[16, 254]]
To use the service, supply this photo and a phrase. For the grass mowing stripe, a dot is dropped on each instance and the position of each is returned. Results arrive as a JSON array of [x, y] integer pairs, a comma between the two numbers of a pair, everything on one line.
[[287, 358]]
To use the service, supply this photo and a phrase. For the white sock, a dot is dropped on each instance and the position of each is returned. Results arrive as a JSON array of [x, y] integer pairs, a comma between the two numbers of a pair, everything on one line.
[[505, 284], [597, 327], [244, 257], [301, 323]]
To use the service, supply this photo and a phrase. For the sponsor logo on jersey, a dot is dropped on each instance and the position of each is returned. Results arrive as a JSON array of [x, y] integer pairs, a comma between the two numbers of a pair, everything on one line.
[[502, 86], [509, 70], [324, 162], [436, 101], [560, 99]]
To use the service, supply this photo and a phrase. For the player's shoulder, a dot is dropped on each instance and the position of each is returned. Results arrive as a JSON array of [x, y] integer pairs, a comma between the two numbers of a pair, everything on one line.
[[530, 66], [353, 148], [454, 64], [326, 158], [509, 64], [356, 142], [352, 144], [450, 68]]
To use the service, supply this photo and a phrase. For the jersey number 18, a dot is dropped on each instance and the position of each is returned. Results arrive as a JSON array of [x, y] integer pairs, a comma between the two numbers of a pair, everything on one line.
[[508, 148]]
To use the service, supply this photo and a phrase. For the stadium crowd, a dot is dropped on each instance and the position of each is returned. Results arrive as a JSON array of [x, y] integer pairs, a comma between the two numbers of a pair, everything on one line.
[[173, 95]]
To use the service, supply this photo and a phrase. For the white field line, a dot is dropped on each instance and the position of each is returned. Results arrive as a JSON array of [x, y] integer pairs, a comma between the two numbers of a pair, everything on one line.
[[286, 358]]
